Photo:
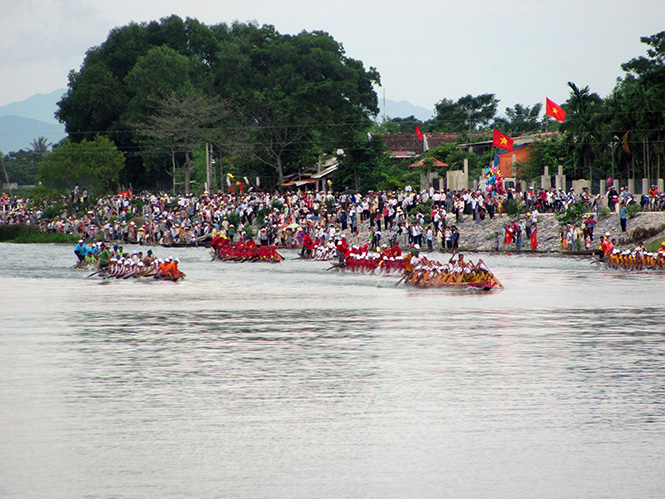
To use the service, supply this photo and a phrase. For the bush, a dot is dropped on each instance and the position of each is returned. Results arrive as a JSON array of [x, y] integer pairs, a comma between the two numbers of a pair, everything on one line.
[[233, 219], [53, 210], [20, 233], [512, 208], [573, 215], [250, 233], [261, 215], [633, 210]]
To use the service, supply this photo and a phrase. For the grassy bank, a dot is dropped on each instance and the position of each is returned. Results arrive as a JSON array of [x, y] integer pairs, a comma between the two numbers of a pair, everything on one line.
[[32, 234]]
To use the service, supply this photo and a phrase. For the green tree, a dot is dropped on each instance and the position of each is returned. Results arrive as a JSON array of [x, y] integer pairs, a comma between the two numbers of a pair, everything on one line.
[[40, 145], [549, 152], [21, 166], [181, 124], [467, 114], [584, 119], [291, 96], [521, 119], [366, 164], [161, 71], [94, 165]]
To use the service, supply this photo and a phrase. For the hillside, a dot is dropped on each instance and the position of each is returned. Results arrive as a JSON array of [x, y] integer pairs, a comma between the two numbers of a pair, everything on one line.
[[40, 107], [17, 132]]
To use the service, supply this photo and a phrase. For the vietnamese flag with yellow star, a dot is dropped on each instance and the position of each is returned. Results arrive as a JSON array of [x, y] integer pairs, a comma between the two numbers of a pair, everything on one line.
[[554, 110], [502, 141]]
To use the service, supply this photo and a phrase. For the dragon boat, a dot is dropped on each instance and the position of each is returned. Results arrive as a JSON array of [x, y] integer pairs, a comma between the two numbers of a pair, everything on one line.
[[636, 260], [418, 270], [225, 250], [160, 269]]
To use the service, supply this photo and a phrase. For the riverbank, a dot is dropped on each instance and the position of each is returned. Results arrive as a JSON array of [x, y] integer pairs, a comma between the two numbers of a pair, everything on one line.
[[32, 234], [480, 236]]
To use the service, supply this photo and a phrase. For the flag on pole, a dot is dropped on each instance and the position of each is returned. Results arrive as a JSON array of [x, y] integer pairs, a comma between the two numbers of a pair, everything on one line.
[[419, 133], [502, 141], [554, 110]]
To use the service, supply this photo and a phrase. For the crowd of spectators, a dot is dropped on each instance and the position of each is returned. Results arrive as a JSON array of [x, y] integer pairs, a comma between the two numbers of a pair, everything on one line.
[[427, 218]]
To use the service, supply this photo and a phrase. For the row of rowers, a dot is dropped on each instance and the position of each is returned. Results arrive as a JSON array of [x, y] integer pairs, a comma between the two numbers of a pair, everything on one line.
[[361, 257], [134, 266], [637, 259], [115, 261]]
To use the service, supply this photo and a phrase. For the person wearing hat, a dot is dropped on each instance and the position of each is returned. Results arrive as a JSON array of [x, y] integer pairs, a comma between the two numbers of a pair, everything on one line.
[[661, 250], [81, 250]]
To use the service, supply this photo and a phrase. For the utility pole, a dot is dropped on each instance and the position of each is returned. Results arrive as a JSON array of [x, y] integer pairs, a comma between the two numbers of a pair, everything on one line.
[[2, 159], [208, 169]]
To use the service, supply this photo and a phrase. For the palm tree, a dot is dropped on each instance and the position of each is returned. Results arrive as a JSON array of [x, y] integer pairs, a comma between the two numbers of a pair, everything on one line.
[[40, 145], [583, 123], [646, 101]]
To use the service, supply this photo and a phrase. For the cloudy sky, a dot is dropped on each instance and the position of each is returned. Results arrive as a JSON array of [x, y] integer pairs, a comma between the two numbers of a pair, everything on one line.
[[425, 50]]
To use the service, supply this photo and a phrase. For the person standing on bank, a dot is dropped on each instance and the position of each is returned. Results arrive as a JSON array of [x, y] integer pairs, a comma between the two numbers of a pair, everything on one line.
[[623, 216]]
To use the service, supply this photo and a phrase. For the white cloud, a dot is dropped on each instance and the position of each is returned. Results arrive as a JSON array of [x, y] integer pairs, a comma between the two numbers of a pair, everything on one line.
[[425, 51]]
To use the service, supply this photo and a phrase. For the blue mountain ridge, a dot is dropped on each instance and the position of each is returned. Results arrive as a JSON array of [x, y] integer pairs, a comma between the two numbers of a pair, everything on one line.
[[21, 122]]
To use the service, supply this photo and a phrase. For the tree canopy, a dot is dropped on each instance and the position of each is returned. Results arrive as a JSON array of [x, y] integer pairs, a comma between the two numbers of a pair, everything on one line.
[[293, 96], [94, 165], [289, 99]]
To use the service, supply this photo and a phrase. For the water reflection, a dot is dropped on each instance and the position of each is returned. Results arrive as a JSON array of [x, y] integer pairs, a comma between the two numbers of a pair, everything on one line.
[[291, 381]]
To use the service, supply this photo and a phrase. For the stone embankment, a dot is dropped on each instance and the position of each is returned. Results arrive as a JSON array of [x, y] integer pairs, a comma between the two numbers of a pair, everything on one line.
[[480, 236]]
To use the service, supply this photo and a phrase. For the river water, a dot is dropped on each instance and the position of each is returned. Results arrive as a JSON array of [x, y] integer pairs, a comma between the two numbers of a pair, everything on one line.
[[289, 380]]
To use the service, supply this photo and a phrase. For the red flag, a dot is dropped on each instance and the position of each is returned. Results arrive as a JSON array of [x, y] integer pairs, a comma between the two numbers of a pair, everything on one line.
[[419, 133], [554, 110], [501, 140]]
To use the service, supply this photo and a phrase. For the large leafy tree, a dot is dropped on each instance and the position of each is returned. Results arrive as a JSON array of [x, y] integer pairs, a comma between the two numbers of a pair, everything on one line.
[[467, 114], [180, 125], [521, 119], [92, 164], [584, 119], [641, 94], [291, 96], [304, 94]]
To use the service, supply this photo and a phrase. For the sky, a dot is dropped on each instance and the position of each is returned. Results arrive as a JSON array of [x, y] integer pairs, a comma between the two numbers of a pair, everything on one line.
[[425, 50]]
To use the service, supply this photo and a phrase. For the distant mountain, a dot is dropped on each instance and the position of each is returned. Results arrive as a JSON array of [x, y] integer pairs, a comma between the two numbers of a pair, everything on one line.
[[40, 107], [17, 132], [404, 109], [21, 122]]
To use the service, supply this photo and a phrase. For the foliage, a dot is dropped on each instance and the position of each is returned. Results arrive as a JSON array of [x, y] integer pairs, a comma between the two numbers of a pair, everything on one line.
[[521, 119], [250, 232], [468, 113], [93, 165], [573, 215], [233, 218], [19, 233], [289, 96], [366, 166], [261, 215], [512, 207], [426, 211], [179, 124], [633, 210], [549, 152], [53, 210], [40, 145], [22, 166]]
